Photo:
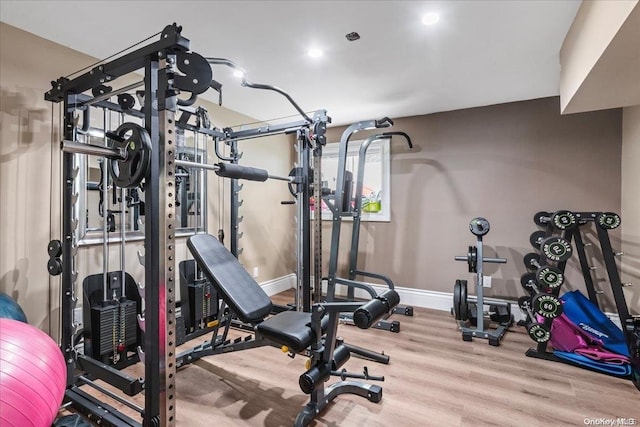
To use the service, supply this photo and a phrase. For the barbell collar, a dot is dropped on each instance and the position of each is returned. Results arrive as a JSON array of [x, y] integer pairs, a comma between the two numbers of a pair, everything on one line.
[[91, 149]]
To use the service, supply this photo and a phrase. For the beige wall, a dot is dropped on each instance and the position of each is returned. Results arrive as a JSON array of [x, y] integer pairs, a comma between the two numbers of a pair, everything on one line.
[[503, 162], [631, 205], [30, 195]]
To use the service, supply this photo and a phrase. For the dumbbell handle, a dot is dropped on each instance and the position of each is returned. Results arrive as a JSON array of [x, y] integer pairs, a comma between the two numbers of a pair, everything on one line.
[[493, 260]]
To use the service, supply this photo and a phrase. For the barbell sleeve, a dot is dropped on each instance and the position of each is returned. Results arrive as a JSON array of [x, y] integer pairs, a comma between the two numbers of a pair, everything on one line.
[[91, 149], [490, 260]]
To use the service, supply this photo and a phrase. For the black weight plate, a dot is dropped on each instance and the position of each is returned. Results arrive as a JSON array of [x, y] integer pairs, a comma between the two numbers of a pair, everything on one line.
[[472, 259], [564, 220], [547, 306], [473, 311], [556, 248], [539, 332], [456, 299], [464, 304], [54, 266], [54, 248], [536, 238], [136, 144], [531, 260], [608, 220], [479, 226], [549, 277], [541, 218]]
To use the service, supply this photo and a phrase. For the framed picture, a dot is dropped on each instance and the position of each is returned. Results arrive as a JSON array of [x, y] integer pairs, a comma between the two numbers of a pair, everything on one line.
[[376, 191]]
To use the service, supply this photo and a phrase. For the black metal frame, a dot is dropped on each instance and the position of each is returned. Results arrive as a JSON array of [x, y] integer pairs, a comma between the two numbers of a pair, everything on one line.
[[336, 204], [159, 61], [630, 324]]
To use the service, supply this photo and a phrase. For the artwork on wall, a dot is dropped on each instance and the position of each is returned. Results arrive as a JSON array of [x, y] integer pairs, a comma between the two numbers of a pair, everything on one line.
[[376, 192]]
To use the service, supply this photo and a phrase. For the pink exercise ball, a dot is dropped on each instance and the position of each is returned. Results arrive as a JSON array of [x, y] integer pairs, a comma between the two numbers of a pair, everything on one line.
[[33, 376]]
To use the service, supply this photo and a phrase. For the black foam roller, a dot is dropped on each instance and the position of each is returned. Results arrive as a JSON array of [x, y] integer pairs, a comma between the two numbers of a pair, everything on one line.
[[391, 297], [366, 314]]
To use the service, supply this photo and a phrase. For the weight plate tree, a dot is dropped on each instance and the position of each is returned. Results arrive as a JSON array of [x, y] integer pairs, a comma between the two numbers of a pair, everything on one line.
[[469, 309]]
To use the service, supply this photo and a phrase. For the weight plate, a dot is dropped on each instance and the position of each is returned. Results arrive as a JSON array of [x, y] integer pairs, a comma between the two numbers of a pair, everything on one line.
[[54, 266], [473, 311], [564, 220], [608, 220], [531, 260], [464, 304], [472, 259], [541, 218], [479, 226], [547, 306], [54, 248], [556, 249], [549, 277], [539, 332], [456, 299], [135, 144], [536, 238]]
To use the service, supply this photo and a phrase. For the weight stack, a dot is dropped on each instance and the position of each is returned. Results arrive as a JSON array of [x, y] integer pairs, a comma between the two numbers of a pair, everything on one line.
[[203, 302], [107, 330], [181, 329]]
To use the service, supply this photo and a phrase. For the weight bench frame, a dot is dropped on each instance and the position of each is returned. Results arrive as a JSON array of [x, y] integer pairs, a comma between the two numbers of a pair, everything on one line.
[[243, 297]]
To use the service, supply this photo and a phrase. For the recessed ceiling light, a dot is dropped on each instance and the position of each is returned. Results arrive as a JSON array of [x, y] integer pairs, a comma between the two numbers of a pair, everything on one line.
[[238, 74], [430, 18], [315, 53]]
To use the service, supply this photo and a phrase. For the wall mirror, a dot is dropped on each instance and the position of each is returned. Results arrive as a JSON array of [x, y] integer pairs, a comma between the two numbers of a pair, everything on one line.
[[114, 211]]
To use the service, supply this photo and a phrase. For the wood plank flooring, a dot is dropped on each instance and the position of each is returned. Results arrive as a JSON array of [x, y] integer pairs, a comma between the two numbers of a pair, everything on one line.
[[433, 379]]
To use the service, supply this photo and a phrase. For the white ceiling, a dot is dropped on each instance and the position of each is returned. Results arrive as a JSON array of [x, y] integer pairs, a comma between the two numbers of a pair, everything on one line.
[[480, 53]]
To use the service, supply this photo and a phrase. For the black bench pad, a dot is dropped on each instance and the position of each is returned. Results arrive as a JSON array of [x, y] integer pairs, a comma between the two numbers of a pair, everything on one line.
[[290, 328], [234, 285]]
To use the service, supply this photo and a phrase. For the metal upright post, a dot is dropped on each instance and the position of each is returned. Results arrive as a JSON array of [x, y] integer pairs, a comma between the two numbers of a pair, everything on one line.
[[160, 251], [480, 285], [234, 203], [305, 145], [68, 241]]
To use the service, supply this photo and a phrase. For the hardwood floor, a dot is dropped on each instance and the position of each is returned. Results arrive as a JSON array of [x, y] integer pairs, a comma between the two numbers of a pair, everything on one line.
[[433, 379]]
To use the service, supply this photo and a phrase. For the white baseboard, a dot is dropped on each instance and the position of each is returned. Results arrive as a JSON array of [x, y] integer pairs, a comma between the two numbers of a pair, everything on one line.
[[442, 301], [279, 284]]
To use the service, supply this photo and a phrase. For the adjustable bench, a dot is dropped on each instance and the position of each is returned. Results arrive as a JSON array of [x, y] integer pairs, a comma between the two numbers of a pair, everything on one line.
[[311, 333]]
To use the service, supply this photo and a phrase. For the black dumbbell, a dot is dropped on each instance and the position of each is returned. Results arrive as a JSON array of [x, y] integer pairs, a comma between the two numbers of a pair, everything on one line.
[[562, 220], [537, 331], [547, 276], [608, 220]]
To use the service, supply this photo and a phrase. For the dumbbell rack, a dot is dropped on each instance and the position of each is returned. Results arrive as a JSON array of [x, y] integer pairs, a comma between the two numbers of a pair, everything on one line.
[[604, 221], [475, 259]]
